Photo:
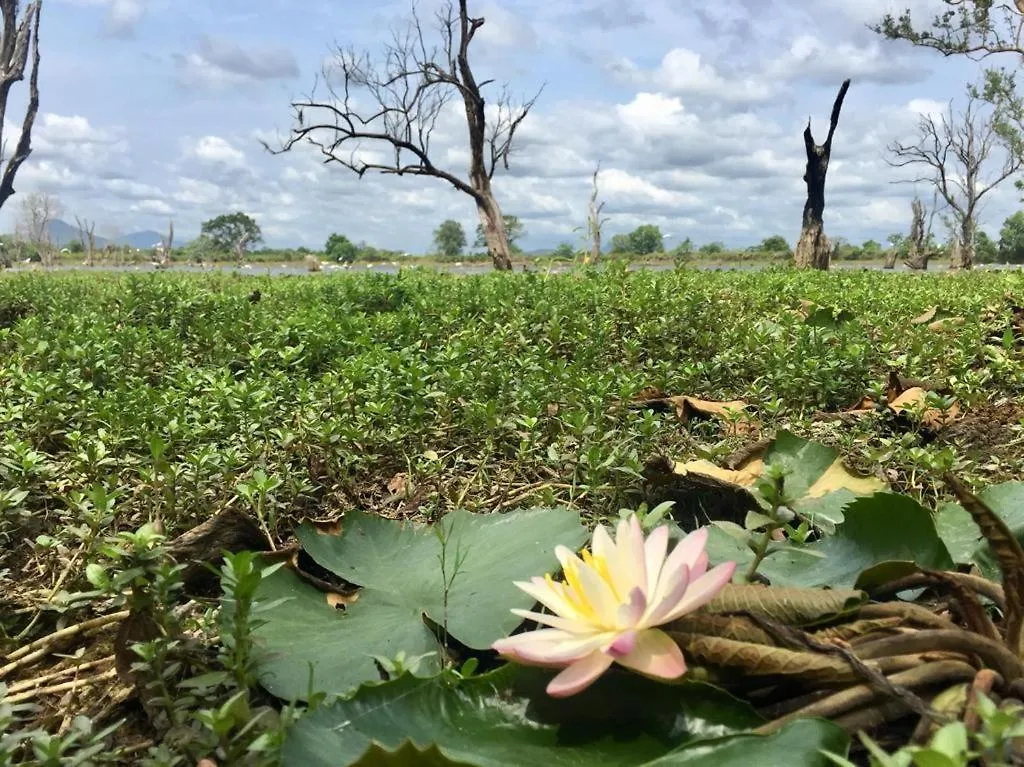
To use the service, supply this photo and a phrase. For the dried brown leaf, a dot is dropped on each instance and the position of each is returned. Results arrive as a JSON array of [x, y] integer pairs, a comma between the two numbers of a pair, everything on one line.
[[928, 316]]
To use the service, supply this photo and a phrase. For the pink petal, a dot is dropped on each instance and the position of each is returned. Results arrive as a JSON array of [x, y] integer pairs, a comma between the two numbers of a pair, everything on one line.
[[686, 552], [699, 567], [579, 675], [623, 644], [677, 592], [632, 552], [655, 654], [556, 621], [549, 646], [703, 590], [628, 615], [654, 553]]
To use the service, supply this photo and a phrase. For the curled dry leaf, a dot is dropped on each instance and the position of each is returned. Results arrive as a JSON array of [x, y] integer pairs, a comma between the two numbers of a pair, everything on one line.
[[907, 395], [933, 419], [938, 319], [688, 408]]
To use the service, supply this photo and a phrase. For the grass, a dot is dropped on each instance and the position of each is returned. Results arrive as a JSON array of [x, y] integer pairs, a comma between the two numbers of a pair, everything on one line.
[[165, 398]]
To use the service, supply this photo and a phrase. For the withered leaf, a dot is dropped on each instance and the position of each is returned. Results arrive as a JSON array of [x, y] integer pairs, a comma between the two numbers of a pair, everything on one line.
[[764, 660], [793, 606]]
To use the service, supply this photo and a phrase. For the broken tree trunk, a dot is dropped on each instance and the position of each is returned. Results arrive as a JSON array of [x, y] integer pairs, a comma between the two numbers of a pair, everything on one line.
[[495, 234], [961, 254], [813, 249], [917, 253], [890, 258]]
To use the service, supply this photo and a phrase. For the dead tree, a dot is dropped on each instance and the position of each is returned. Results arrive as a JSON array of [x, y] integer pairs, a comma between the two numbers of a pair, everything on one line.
[[37, 212], [87, 237], [954, 150], [813, 249], [407, 95], [166, 247], [595, 223], [917, 253], [240, 245], [18, 38]]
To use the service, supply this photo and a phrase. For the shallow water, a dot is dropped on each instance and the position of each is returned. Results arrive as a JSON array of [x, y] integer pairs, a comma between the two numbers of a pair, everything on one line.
[[284, 270]]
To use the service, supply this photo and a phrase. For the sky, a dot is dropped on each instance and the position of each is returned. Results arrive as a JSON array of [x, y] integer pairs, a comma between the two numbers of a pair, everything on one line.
[[153, 110]]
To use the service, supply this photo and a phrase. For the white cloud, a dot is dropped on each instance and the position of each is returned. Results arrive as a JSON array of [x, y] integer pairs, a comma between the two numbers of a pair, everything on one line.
[[214, 149]]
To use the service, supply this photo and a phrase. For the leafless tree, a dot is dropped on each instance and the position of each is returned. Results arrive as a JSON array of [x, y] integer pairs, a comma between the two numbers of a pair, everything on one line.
[[595, 222], [408, 93], [813, 249], [37, 212], [87, 237], [953, 152], [18, 37], [166, 247]]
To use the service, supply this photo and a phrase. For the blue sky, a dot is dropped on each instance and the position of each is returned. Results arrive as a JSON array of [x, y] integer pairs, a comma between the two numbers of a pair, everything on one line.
[[153, 109]]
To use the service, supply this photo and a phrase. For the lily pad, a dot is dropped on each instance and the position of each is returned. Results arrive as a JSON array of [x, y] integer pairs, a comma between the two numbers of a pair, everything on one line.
[[403, 591], [504, 719], [962, 536], [816, 479], [884, 527]]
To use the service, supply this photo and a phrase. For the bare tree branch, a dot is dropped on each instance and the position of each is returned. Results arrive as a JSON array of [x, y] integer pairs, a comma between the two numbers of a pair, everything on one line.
[[14, 50], [408, 93]]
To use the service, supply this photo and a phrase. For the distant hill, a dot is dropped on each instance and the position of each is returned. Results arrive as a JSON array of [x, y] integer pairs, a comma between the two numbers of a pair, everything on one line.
[[61, 233]]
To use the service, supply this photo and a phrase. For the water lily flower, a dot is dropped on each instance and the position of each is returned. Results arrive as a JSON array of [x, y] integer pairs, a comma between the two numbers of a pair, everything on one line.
[[613, 598]]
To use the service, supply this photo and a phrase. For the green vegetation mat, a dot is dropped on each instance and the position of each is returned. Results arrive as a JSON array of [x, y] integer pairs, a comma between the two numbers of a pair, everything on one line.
[[167, 398]]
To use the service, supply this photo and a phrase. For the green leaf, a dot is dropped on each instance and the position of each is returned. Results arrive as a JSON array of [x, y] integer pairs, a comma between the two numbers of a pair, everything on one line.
[[962, 536], [880, 528], [803, 742], [505, 718], [399, 567]]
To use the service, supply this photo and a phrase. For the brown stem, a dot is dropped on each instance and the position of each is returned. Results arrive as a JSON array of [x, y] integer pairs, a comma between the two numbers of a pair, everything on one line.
[[983, 586], [915, 615], [946, 671], [40, 647], [990, 652], [983, 683], [63, 687], [870, 717]]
